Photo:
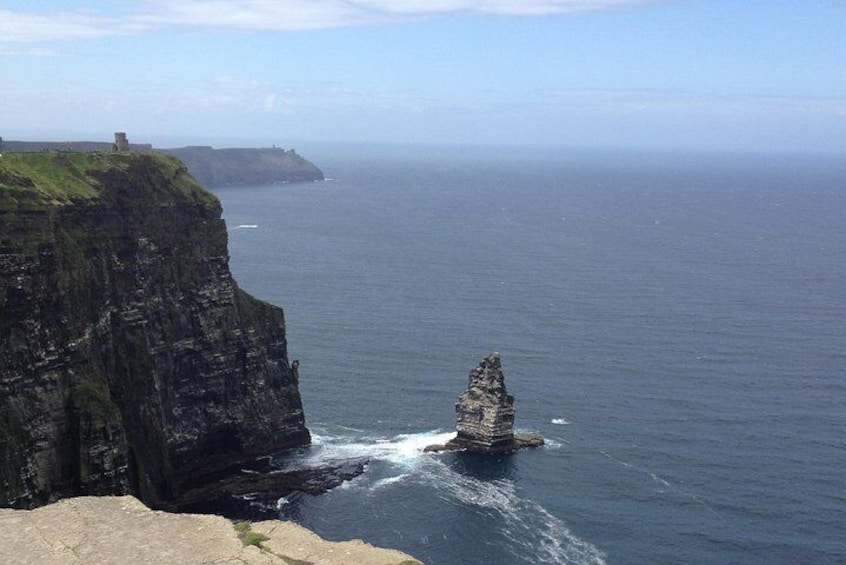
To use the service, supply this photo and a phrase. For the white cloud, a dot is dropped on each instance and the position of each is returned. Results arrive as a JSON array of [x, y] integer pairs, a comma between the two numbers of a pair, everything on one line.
[[23, 27], [270, 15], [316, 14]]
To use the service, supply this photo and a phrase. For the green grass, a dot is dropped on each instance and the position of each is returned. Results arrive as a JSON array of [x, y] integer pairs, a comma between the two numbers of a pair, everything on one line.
[[242, 527], [49, 178], [253, 538], [247, 536]]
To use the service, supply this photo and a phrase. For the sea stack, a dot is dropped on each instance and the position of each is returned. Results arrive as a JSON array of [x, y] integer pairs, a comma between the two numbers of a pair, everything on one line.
[[484, 414]]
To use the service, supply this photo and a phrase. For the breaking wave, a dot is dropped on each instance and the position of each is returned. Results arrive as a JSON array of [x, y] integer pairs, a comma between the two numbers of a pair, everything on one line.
[[404, 450], [527, 528]]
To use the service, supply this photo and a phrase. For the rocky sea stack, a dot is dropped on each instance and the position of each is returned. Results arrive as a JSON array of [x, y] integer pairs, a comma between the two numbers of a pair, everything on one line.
[[485, 414], [130, 361]]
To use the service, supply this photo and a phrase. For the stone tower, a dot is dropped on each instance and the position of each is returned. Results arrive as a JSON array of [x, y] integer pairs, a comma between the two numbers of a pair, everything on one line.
[[121, 143]]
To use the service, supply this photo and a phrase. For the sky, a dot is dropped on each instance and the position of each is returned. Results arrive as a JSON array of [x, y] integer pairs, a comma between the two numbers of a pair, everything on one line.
[[701, 74]]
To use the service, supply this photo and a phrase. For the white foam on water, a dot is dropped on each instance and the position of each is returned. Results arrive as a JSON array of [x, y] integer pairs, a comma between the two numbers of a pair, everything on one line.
[[672, 487], [549, 443], [658, 479], [349, 429], [560, 421], [404, 450], [389, 481], [246, 226], [528, 526]]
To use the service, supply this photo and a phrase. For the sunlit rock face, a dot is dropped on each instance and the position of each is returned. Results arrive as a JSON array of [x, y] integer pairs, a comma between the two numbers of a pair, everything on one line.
[[484, 414], [130, 361]]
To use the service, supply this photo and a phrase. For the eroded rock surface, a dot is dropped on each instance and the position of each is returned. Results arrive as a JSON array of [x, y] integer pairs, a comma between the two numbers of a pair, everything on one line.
[[130, 361], [121, 530], [485, 414]]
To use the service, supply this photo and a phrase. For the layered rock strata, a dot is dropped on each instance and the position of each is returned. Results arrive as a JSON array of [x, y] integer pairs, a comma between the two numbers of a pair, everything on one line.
[[130, 361], [485, 414]]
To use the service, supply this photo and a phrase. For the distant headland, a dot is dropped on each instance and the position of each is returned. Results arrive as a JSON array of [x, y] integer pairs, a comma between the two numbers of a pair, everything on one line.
[[211, 167]]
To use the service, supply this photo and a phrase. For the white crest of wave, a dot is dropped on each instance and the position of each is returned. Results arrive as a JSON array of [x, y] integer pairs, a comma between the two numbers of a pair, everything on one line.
[[389, 481], [528, 526], [560, 421], [246, 226], [552, 539], [403, 450]]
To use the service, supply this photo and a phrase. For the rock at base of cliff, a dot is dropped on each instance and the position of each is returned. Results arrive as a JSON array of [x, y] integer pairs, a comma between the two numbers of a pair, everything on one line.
[[116, 530]]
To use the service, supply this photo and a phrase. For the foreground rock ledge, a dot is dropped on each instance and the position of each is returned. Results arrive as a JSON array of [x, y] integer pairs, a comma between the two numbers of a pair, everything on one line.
[[120, 530], [484, 415]]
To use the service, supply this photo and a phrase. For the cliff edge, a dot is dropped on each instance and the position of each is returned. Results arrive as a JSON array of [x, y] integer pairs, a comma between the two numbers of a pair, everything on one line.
[[211, 167], [117, 530], [225, 167], [131, 361]]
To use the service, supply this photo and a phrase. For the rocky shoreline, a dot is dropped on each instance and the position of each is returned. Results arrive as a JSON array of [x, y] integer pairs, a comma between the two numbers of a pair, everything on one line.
[[251, 491]]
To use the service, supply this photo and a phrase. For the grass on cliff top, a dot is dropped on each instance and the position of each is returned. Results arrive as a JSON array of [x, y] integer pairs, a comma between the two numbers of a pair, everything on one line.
[[39, 179]]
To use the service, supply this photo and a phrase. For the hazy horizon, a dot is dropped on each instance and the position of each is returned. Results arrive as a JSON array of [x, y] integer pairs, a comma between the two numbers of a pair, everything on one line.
[[637, 74]]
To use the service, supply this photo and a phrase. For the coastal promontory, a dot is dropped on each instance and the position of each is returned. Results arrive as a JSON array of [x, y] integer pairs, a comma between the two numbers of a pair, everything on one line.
[[225, 167], [211, 167], [131, 361]]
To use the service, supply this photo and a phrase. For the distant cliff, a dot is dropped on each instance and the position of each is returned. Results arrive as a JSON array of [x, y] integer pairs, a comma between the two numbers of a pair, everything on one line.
[[211, 167], [222, 167], [130, 361]]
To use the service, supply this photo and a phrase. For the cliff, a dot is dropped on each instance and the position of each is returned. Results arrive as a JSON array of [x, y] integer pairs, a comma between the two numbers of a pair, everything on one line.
[[221, 167], [211, 167], [130, 360], [106, 530]]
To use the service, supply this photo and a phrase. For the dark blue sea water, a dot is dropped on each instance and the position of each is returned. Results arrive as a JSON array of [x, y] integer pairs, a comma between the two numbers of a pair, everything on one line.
[[674, 325]]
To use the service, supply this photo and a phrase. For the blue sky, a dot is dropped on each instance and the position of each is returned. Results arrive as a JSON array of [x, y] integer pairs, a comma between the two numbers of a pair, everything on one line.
[[737, 75]]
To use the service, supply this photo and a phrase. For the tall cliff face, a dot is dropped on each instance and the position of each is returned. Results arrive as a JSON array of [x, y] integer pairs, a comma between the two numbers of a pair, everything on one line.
[[130, 362]]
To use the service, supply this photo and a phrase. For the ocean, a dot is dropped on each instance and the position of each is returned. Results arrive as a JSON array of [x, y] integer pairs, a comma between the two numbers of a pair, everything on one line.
[[673, 324]]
